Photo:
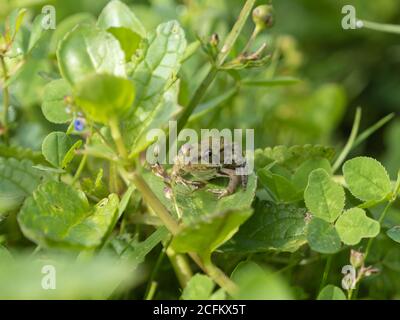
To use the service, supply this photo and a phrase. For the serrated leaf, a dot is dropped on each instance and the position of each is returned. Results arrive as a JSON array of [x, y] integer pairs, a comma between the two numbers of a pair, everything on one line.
[[57, 215], [17, 180], [323, 237], [300, 177], [291, 157], [55, 147], [272, 227], [353, 225], [154, 74], [367, 179], [203, 202], [199, 287], [103, 97], [134, 251], [394, 233], [88, 50], [21, 153], [254, 280], [282, 189], [331, 292], [218, 227], [323, 197], [54, 106]]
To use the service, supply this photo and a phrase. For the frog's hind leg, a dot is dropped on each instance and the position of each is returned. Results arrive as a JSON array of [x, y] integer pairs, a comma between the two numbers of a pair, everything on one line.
[[234, 181]]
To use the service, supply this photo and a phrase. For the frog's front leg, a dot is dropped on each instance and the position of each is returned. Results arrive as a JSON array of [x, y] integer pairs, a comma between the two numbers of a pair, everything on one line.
[[234, 182]]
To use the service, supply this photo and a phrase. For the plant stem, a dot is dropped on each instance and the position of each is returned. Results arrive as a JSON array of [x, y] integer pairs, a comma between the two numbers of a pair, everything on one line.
[[326, 272], [116, 134], [6, 98], [151, 282], [221, 279], [181, 266], [226, 49], [154, 203], [381, 218], [151, 199], [391, 28], [369, 245], [350, 142], [151, 291]]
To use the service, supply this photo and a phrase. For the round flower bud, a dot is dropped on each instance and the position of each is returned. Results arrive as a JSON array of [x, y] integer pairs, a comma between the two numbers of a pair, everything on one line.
[[263, 16]]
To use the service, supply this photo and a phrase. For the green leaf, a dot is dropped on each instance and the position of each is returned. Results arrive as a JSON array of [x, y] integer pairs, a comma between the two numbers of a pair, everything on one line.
[[300, 177], [118, 14], [323, 237], [68, 24], [134, 251], [282, 189], [88, 50], [203, 202], [271, 227], [57, 215], [291, 157], [394, 233], [69, 156], [164, 111], [257, 283], [36, 33], [331, 292], [121, 22], [97, 278], [54, 106], [103, 97], [17, 180], [55, 147], [219, 228], [21, 153], [199, 287], [367, 179], [323, 197], [353, 225], [154, 75], [392, 259], [14, 22]]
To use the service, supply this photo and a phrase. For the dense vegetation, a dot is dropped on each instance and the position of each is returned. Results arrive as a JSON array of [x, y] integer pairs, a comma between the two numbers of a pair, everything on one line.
[[319, 217]]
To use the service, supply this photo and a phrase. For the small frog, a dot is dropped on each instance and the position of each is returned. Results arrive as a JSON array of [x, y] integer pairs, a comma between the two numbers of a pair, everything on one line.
[[197, 164]]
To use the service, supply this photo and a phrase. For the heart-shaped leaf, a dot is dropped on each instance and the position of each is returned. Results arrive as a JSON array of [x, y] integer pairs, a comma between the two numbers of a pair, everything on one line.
[[367, 179], [323, 197], [353, 225], [55, 147], [323, 237], [331, 292], [54, 106]]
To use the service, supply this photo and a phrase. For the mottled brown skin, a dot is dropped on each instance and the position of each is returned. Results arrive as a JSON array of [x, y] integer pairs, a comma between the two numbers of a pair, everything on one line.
[[189, 170]]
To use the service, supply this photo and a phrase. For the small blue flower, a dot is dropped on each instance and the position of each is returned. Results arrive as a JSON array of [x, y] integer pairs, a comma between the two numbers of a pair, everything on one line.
[[79, 124]]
